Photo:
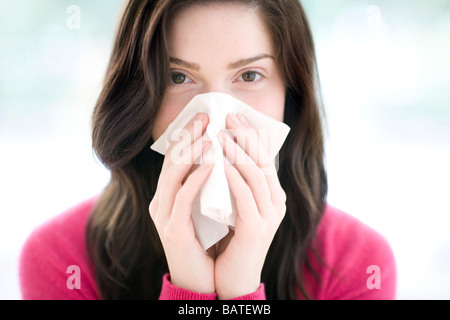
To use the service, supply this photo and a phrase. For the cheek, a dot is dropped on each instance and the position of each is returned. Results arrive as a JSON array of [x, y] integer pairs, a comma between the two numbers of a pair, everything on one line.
[[170, 108], [270, 103], [159, 127], [270, 99], [274, 107]]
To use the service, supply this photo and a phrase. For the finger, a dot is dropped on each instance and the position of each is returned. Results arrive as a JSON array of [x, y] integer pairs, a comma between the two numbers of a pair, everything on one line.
[[249, 140], [182, 207], [250, 172], [174, 178], [191, 154], [245, 202], [183, 153], [184, 137]]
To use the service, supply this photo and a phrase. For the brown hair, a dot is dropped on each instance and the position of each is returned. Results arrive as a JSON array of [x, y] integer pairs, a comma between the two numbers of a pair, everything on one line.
[[122, 241]]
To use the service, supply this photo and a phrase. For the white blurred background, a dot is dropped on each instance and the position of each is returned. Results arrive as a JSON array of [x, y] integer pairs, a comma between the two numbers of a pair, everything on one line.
[[385, 74]]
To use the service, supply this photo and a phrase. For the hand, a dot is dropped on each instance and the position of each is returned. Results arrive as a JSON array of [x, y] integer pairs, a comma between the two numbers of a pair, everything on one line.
[[179, 182], [260, 202]]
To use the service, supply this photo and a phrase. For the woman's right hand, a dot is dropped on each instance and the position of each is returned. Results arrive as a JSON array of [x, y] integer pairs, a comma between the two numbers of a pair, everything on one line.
[[179, 182]]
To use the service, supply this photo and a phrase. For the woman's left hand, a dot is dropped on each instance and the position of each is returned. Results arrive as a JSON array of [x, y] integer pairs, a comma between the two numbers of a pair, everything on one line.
[[261, 206]]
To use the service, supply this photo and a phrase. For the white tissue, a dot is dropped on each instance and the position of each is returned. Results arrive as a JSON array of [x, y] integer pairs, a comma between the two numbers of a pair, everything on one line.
[[214, 211]]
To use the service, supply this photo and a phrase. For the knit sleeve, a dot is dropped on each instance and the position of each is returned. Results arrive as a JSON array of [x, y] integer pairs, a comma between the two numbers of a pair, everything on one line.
[[45, 275], [54, 263], [369, 270], [357, 262], [172, 292]]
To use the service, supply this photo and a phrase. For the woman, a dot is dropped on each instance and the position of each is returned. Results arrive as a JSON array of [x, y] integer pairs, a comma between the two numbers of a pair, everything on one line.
[[136, 240]]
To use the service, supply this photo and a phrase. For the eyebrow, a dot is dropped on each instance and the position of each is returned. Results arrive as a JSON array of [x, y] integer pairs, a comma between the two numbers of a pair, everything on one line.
[[244, 62], [234, 65], [185, 64]]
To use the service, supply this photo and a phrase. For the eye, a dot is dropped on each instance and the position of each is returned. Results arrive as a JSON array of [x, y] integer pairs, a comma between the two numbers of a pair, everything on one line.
[[250, 76], [178, 78]]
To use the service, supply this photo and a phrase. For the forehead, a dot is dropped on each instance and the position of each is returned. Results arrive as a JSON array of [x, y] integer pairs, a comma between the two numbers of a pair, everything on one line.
[[220, 30]]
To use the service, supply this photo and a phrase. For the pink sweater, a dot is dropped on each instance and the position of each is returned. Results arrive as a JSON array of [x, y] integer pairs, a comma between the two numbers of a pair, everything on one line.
[[54, 262]]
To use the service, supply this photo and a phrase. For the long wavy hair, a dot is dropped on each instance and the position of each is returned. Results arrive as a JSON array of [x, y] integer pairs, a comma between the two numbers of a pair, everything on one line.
[[121, 239]]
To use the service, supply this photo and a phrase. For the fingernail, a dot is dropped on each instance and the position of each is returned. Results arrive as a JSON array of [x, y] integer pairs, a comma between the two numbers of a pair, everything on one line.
[[235, 120], [199, 116], [243, 120]]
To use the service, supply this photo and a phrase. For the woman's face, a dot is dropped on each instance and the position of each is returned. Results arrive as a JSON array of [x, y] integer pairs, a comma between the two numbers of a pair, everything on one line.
[[221, 48]]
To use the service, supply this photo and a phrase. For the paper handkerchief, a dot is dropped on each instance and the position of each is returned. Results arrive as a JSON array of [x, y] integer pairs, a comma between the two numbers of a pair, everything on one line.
[[214, 211]]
